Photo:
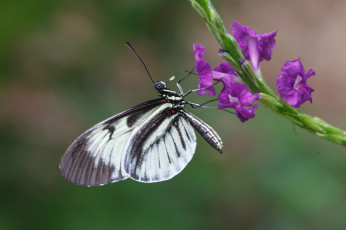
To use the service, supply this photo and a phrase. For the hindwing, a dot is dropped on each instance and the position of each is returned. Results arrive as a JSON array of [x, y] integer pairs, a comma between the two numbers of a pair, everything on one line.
[[160, 148]]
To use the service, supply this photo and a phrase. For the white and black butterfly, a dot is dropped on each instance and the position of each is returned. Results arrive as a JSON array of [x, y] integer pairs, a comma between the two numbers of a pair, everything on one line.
[[150, 142]]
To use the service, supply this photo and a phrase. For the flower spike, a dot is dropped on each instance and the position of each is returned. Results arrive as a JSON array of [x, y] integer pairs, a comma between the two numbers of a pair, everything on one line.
[[292, 87]]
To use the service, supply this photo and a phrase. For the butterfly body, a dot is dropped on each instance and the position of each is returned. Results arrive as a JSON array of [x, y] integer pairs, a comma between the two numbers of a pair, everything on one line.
[[150, 142]]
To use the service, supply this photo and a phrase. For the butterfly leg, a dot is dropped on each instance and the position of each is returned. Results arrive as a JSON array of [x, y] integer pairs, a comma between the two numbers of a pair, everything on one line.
[[195, 106], [183, 78], [199, 105], [196, 90]]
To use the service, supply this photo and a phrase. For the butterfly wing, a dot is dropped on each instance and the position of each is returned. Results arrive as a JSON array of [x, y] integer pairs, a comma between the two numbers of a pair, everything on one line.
[[160, 148], [143, 142], [97, 156]]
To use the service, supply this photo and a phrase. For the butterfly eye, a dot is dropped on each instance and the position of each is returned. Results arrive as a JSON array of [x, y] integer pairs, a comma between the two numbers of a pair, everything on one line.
[[160, 85]]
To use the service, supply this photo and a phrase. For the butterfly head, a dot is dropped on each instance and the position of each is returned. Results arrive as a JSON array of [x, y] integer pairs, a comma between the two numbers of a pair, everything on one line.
[[160, 85]]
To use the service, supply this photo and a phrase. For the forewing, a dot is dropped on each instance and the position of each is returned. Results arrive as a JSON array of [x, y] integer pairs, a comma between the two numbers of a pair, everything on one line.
[[160, 148], [97, 156]]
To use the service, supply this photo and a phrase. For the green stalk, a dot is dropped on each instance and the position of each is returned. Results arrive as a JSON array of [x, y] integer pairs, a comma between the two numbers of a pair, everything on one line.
[[255, 82]]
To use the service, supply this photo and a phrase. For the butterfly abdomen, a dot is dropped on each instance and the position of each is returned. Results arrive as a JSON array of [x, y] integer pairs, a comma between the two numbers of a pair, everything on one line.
[[207, 132]]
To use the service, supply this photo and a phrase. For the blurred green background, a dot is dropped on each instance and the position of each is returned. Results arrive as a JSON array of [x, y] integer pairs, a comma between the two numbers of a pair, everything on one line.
[[64, 67]]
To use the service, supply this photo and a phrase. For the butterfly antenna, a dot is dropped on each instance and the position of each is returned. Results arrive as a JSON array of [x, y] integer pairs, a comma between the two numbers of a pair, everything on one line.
[[146, 68]]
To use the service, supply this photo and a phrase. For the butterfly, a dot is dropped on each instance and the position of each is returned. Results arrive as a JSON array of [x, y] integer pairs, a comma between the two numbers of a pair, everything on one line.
[[150, 142]]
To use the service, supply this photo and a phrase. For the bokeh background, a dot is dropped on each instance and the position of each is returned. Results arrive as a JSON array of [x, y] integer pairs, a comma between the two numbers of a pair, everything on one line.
[[64, 67]]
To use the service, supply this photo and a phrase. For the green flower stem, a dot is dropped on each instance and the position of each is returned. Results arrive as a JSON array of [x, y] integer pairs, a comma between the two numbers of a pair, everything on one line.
[[255, 82]]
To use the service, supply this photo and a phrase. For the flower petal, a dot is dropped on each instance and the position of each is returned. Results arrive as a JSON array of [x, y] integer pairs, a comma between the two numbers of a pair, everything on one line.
[[291, 83], [255, 47], [224, 71], [266, 45], [224, 67], [309, 73], [204, 70], [199, 50], [244, 113], [237, 96]]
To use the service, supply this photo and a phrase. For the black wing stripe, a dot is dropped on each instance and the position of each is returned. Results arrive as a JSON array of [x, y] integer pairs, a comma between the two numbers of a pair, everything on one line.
[[164, 140], [97, 159], [76, 150], [158, 156], [73, 167], [181, 137], [76, 162], [80, 169], [167, 153], [177, 129], [79, 163], [101, 168], [85, 172], [177, 152], [138, 140], [99, 172], [187, 133], [109, 168], [140, 137], [146, 176], [146, 106], [131, 120]]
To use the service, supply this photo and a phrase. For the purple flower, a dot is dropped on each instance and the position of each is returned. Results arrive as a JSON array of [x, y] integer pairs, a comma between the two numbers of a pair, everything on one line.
[[234, 94], [291, 83], [207, 75], [237, 96], [204, 70], [255, 47], [224, 72]]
